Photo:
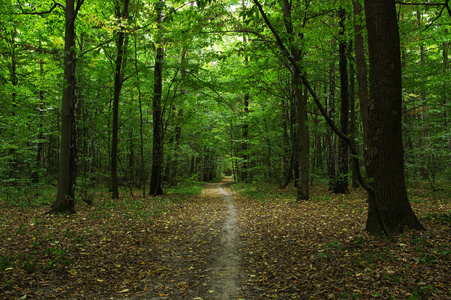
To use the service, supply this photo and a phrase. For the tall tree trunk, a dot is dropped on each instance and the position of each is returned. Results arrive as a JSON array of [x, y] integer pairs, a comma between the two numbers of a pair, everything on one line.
[[362, 80], [66, 170], [244, 146], [294, 137], [131, 157], [13, 163], [286, 161], [341, 182], [352, 117], [446, 99], [330, 145], [141, 122], [245, 128], [178, 126], [385, 162], [118, 81], [302, 145], [40, 151], [157, 151]]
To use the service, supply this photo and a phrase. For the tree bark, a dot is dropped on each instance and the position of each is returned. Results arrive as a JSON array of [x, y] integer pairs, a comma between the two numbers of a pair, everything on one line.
[[141, 122], [363, 183], [178, 126], [353, 119], [362, 80], [118, 81], [330, 145], [385, 161], [13, 162], [302, 144], [446, 101], [65, 195], [157, 151], [341, 181]]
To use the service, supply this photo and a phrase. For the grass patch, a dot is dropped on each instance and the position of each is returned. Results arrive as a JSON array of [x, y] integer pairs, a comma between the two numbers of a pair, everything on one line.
[[187, 189]]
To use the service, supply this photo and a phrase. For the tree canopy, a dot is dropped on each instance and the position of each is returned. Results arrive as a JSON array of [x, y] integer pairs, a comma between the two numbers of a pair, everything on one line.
[[231, 99]]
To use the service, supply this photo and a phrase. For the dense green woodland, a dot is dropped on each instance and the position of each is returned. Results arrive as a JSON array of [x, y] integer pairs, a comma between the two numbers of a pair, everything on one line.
[[138, 94]]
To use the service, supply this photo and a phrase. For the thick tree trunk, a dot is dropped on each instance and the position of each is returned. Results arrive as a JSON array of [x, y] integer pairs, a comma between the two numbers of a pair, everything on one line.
[[341, 181], [65, 195], [157, 151], [385, 162]]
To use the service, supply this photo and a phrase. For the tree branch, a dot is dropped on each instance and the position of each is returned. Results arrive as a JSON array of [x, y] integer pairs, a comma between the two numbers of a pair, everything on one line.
[[55, 5], [329, 121], [444, 4], [421, 3]]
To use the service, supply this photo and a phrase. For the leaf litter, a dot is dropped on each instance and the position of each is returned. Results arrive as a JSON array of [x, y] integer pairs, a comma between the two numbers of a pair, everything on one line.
[[167, 248]]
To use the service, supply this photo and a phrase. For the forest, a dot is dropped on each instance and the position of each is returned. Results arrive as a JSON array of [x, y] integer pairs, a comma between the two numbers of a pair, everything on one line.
[[136, 136]]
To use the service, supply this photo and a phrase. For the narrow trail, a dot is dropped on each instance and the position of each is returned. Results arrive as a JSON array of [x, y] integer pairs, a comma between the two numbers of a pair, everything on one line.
[[201, 256], [226, 267]]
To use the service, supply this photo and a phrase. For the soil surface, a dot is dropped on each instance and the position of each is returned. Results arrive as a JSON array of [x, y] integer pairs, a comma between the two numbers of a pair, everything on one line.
[[226, 283], [212, 271], [224, 244]]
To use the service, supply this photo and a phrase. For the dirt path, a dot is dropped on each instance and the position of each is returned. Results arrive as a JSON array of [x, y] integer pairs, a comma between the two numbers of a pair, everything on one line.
[[204, 263], [226, 267]]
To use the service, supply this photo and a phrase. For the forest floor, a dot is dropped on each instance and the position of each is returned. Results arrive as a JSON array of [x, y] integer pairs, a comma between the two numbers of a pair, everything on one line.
[[230, 242]]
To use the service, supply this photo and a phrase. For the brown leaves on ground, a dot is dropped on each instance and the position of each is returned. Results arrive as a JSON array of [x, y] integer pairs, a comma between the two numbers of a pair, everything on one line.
[[142, 248], [318, 249], [164, 248]]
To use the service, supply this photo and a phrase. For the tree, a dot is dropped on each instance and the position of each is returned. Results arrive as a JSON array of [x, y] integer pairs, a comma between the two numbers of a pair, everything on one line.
[[362, 80], [67, 159], [341, 181], [301, 145], [330, 144], [120, 61], [385, 162], [157, 152]]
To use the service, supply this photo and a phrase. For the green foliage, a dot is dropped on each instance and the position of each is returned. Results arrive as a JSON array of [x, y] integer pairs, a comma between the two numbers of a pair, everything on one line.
[[216, 53], [257, 192], [186, 188]]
